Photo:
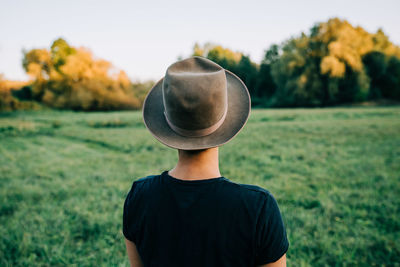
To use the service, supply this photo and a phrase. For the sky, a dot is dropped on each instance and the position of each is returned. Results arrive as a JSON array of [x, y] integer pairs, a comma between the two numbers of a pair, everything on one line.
[[144, 37]]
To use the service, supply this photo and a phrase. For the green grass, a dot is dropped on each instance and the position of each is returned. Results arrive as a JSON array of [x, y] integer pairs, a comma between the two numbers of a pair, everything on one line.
[[335, 173]]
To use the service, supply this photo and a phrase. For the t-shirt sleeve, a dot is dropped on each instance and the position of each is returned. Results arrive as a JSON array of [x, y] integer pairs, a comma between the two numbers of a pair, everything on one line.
[[272, 242], [128, 221]]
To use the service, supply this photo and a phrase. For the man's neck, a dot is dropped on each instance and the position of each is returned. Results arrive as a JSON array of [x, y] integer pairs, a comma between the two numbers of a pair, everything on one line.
[[197, 165]]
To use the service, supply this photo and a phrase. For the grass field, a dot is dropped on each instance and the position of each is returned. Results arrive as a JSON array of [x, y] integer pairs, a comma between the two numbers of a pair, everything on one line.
[[335, 173]]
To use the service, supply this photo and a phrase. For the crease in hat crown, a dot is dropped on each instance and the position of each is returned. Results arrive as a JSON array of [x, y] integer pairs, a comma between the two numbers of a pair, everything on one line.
[[195, 96]]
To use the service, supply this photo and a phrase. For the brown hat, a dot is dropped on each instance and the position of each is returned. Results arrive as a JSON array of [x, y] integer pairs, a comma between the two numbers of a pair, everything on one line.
[[197, 105]]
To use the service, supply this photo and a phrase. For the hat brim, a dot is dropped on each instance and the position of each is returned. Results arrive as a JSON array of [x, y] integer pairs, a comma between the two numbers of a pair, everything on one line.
[[237, 114]]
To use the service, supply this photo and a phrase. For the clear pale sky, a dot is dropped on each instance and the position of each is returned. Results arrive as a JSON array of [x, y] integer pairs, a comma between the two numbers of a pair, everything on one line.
[[144, 37]]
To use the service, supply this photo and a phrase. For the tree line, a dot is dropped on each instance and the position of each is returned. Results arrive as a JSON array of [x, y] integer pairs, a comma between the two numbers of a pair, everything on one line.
[[66, 77], [335, 63]]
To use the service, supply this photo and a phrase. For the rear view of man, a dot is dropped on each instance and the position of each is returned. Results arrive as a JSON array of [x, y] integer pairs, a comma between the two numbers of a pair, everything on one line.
[[191, 215]]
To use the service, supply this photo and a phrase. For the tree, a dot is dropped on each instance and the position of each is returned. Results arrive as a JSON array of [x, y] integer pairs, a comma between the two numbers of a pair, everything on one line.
[[7, 100], [60, 50], [71, 78], [327, 67], [384, 71], [375, 64], [393, 79]]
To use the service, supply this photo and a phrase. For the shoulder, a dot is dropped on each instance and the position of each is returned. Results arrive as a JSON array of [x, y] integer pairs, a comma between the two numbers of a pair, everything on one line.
[[258, 197], [252, 191], [145, 181], [143, 185]]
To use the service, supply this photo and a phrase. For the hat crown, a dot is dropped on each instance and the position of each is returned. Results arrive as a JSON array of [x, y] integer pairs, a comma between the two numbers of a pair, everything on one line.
[[195, 94]]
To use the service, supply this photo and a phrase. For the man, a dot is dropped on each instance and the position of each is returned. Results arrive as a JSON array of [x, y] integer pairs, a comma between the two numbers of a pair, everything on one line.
[[191, 215]]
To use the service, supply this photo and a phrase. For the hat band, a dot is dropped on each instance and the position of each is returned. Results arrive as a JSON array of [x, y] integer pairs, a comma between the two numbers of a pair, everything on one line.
[[199, 132]]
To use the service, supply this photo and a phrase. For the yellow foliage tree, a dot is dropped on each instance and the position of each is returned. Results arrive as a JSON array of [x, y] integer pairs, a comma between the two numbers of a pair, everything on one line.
[[71, 78], [327, 67], [7, 101]]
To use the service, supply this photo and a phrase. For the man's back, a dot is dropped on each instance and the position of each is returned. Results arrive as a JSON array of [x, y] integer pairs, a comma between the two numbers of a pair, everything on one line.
[[211, 222]]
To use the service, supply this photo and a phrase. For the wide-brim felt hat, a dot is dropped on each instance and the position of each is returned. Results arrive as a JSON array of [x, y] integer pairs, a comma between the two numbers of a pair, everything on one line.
[[196, 105]]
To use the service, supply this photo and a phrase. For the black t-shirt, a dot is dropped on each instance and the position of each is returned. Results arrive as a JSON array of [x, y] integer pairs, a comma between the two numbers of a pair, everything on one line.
[[212, 222]]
